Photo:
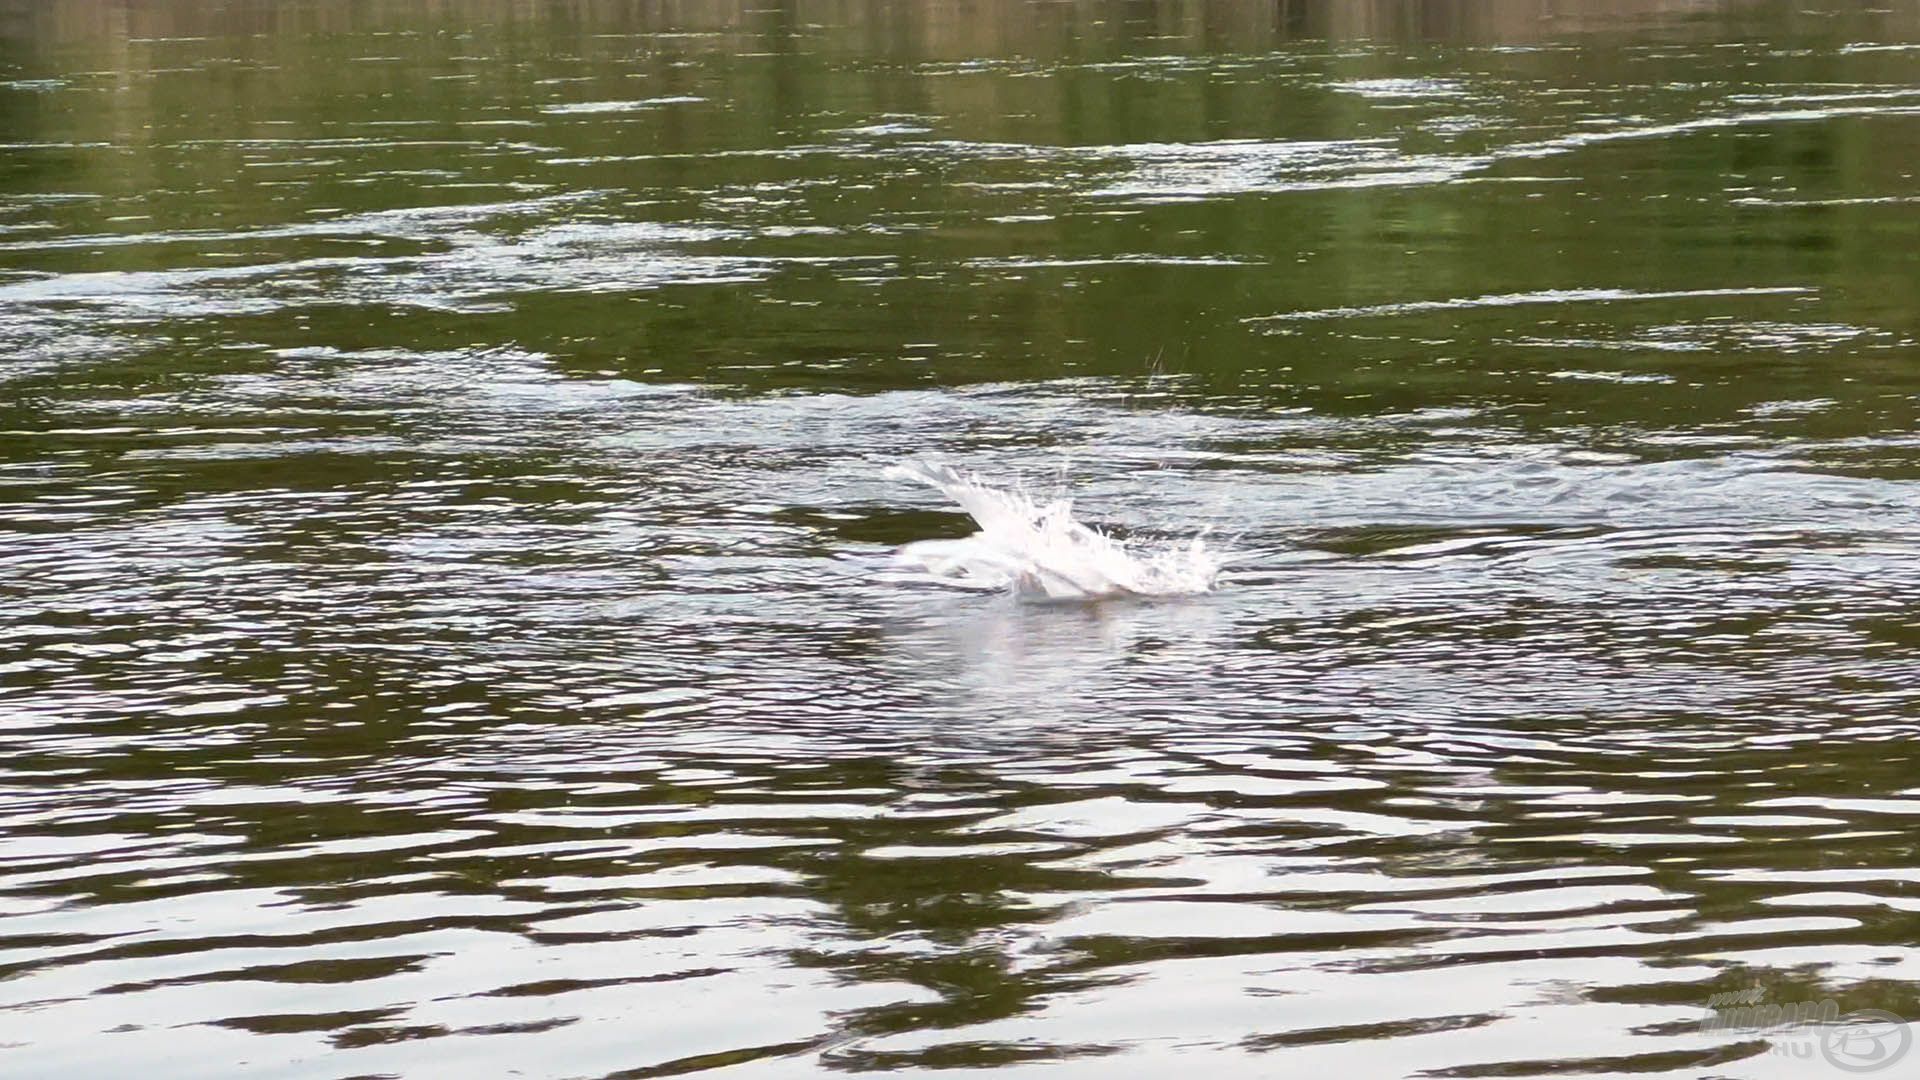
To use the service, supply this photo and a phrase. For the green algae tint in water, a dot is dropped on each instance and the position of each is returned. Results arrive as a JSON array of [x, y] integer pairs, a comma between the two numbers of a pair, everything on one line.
[[451, 625]]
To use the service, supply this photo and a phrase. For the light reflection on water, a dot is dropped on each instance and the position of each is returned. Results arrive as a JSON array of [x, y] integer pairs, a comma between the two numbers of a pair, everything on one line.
[[451, 626]]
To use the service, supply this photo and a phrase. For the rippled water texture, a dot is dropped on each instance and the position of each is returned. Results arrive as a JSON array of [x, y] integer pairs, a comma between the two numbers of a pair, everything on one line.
[[452, 621]]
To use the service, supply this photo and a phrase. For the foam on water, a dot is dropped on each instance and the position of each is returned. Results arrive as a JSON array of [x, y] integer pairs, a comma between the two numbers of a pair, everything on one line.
[[1038, 549]]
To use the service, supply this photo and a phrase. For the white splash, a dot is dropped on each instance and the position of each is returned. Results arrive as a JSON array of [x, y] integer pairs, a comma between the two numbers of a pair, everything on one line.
[[1039, 550]]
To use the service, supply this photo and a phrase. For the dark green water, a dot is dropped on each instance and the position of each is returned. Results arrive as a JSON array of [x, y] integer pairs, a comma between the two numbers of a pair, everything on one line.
[[449, 621]]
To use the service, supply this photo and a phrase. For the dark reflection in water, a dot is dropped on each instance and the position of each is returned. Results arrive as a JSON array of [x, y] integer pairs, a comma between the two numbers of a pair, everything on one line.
[[450, 627]]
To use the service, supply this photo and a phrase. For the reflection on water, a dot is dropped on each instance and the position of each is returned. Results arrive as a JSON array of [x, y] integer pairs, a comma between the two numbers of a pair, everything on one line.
[[451, 622]]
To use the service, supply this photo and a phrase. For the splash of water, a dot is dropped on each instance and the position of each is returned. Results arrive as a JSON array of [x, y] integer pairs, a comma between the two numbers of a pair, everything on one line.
[[1038, 549]]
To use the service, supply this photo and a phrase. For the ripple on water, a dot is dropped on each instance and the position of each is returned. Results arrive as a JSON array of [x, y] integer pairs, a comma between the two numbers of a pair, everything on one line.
[[450, 624]]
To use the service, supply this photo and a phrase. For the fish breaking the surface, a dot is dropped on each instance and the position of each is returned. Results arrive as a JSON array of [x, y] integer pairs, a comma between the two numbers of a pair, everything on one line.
[[1038, 550]]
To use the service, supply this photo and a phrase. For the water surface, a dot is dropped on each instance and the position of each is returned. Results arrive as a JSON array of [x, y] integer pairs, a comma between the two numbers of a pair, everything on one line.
[[450, 620]]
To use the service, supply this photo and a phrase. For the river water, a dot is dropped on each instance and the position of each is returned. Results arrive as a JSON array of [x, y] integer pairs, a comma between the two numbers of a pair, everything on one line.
[[451, 624]]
